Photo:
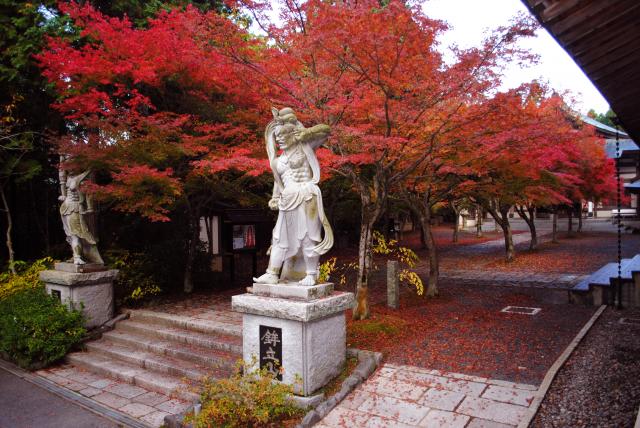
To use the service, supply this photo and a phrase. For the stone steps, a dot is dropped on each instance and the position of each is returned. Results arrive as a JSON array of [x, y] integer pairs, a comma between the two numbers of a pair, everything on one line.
[[188, 323], [158, 363], [600, 287], [126, 372], [207, 357], [166, 353], [220, 342]]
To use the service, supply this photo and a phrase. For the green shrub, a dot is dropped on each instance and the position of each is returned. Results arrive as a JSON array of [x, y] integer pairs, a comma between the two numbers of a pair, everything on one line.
[[27, 277], [36, 329], [135, 282], [250, 400]]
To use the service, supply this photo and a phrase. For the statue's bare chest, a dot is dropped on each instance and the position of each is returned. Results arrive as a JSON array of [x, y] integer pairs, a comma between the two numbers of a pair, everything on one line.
[[294, 166]]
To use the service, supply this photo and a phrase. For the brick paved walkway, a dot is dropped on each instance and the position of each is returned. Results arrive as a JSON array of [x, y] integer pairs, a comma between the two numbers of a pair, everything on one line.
[[151, 364], [147, 406], [405, 396]]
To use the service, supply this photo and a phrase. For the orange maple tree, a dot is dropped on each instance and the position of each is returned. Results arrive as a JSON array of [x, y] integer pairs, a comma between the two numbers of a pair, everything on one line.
[[372, 71]]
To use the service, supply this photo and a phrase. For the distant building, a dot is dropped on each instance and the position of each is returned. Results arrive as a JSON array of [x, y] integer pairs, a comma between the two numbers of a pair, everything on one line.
[[629, 155]]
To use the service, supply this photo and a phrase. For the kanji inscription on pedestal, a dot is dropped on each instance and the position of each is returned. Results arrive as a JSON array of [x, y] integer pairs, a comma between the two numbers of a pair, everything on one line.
[[271, 350]]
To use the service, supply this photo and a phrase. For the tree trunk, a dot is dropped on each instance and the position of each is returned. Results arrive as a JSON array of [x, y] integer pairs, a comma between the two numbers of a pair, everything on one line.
[[423, 240], [533, 244], [456, 223], [570, 222], [479, 215], [422, 212], [385, 226], [508, 240], [579, 212], [434, 264], [502, 219], [527, 216], [373, 202], [9, 241], [361, 310]]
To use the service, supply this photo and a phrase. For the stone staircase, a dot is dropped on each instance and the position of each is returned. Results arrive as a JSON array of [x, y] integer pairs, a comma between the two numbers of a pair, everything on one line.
[[164, 352], [600, 287]]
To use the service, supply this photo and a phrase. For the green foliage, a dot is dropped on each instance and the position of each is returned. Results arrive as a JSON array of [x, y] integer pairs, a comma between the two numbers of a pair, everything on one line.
[[325, 269], [404, 255], [250, 400], [26, 277], [135, 282], [607, 118], [140, 11], [36, 329]]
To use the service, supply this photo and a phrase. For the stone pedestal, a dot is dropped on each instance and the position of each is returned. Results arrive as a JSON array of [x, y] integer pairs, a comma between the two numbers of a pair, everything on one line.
[[89, 287], [302, 329]]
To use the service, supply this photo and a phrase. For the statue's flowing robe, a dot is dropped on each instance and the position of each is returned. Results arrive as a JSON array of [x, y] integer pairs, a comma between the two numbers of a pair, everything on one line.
[[300, 214], [74, 222]]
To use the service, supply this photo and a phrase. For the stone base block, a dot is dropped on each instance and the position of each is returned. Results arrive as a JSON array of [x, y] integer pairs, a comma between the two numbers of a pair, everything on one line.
[[309, 341], [293, 291], [85, 268], [92, 292]]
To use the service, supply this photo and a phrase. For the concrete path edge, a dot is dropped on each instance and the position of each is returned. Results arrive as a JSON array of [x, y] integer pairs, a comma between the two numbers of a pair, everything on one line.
[[73, 397], [555, 368]]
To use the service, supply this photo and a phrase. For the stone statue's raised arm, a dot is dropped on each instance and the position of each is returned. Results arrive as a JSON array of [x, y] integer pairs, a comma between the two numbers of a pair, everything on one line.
[[314, 136]]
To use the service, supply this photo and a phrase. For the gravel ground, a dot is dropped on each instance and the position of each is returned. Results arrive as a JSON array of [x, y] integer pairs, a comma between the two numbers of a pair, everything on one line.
[[599, 385]]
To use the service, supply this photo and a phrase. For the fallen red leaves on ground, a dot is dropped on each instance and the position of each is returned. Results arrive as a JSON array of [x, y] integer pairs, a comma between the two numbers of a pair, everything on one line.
[[582, 253], [464, 331]]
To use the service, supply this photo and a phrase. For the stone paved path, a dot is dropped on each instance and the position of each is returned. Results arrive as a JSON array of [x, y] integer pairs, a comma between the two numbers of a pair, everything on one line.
[[147, 406], [405, 396], [515, 279]]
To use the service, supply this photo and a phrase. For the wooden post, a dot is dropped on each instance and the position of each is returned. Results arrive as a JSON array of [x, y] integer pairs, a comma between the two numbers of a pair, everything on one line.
[[393, 289]]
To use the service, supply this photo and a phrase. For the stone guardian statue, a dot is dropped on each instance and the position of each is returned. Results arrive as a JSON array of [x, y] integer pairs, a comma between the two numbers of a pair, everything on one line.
[[297, 241], [75, 210]]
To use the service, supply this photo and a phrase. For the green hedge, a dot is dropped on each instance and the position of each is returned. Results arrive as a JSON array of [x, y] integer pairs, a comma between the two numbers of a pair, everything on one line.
[[36, 329]]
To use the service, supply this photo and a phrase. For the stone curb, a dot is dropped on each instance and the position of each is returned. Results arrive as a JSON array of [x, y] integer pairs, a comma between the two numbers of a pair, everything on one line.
[[555, 368], [73, 397], [368, 362]]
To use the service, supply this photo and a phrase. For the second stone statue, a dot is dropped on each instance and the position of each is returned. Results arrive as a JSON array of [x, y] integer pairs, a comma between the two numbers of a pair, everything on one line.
[[302, 232]]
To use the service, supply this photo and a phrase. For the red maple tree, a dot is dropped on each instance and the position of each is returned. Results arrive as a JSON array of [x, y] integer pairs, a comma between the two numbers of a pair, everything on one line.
[[162, 109], [374, 74]]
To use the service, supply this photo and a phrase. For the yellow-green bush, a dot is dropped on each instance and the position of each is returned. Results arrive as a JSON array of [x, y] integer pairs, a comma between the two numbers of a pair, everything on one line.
[[27, 277], [250, 400]]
